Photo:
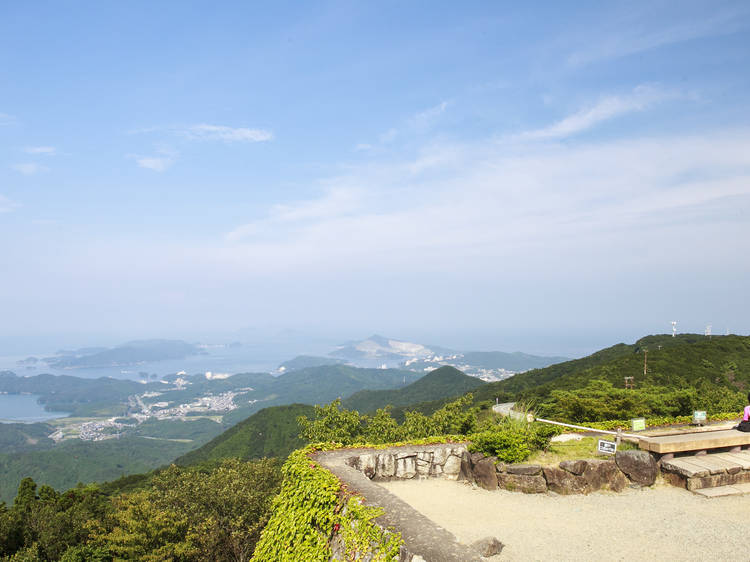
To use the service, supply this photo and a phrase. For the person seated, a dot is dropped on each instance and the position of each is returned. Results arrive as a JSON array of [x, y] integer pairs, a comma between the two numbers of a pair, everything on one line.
[[745, 423]]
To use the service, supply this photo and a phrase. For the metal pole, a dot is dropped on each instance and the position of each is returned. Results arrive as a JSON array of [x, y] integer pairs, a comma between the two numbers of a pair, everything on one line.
[[619, 432]]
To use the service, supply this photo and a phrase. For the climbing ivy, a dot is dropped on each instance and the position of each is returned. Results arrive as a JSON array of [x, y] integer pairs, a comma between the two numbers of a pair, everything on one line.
[[311, 508]]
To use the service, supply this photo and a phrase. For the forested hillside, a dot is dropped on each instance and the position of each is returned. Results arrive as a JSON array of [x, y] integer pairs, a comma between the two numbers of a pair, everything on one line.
[[444, 382], [272, 432], [688, 360]]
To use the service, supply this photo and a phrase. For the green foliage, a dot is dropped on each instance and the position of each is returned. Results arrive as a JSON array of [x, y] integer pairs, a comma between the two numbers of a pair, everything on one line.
[[184, 514], [193, 515], [19, 437], [440, 383], [688, 360], [85, 461], [333, 423], [43, 526], [310, 508], [599, 400], [511, 440], [272, 432]]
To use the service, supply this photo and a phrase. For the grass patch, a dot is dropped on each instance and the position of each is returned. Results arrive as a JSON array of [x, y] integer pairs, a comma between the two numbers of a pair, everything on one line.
[[572, 450]]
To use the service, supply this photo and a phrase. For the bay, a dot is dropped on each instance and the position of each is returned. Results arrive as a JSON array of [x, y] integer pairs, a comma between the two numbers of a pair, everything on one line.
[[24, 408]]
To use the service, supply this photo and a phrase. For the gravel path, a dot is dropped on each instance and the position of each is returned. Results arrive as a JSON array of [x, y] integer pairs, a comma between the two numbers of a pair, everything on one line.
[[661, 523]]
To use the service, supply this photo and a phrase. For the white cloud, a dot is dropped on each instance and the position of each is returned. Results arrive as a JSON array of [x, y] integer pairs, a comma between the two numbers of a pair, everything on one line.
[[605, 109], [28, 168], [6, 205], [361, 147], [417, 123], [226, 134], [156, 163], [426, 119], [44, 150], [163, 160], [636, 38], [490, 203], [389, 136], [5, 118]]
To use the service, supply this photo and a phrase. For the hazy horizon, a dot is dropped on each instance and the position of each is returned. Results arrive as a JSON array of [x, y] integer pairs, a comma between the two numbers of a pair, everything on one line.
[[550, 179]]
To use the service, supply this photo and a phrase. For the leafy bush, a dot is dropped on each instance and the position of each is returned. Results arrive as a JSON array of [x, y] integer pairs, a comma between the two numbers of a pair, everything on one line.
[[310, 508], [599, 401], [332, 423], [511, 440]]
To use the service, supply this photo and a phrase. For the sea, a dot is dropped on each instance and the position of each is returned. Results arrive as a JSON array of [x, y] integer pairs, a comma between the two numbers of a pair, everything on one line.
[[24, 408]]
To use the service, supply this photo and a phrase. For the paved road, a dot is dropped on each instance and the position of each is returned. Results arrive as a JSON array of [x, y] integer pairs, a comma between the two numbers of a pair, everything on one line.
[[506, 409]]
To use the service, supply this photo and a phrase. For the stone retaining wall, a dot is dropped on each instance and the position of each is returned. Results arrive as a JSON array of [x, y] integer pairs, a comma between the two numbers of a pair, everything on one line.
[[454, 462]]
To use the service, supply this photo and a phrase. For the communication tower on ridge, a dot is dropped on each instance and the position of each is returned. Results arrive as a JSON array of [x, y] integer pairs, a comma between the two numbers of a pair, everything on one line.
[[708, 331], [674, 327]]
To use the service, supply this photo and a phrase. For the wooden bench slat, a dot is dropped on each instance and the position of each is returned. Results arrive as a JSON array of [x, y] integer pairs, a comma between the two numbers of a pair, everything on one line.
[[695, 441], [742, 460]]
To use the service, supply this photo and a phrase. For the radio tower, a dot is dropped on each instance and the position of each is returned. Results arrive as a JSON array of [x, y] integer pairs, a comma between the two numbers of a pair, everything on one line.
[[708, 331], [674, 327]]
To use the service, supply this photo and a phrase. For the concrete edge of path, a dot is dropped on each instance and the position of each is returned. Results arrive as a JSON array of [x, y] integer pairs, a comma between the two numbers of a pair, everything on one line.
[[421, 535]]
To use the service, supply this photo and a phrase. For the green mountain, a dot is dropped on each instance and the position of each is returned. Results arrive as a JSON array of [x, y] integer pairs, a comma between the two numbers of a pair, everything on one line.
[[515, 361], [85, 461], [305, 361], [444, 382], [319, 385], [272, 432], [688, 360], [18, 437], [131, 353]]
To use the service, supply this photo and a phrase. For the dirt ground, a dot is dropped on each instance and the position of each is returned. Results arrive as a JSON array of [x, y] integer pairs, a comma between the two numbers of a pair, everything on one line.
[[660, 523]]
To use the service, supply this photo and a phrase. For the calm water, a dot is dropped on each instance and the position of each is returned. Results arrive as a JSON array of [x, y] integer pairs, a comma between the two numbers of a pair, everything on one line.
[[219, 360], [24, 408]]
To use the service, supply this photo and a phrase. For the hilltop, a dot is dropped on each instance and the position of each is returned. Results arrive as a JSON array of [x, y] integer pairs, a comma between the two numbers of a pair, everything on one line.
[[688, 360], [272, 432], [440, 383]]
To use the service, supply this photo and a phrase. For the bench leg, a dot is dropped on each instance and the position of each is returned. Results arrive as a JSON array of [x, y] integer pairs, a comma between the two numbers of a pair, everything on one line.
[[700, 453], [735, 449], [667, 457]]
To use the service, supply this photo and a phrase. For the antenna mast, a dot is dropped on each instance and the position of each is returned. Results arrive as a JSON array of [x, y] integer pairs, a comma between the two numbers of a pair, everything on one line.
[[674, 327], [708, 331]]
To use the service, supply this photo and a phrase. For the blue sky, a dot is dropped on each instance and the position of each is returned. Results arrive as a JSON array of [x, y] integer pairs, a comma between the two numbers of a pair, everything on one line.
[[476, 175]]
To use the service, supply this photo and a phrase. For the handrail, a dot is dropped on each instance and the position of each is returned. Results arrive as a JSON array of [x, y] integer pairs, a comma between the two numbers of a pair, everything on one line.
[[616, 433]]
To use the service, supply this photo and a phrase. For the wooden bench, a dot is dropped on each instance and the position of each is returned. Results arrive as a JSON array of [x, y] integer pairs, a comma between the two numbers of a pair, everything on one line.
[[697, 442]]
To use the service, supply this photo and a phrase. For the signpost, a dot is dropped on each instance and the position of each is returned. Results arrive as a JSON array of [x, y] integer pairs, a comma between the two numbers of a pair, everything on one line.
[[607, 447], [638, 424], [699, 417]]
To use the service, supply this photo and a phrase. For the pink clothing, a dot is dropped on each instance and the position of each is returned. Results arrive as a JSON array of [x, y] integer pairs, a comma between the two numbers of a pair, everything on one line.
[[746, 416]]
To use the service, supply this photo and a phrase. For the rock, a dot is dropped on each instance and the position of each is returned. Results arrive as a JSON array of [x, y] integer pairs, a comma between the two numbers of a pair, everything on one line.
[[600, 474], [485, 475], [452, 467], [475, 458], [425, 456], [488, 546], [500, 466], [423, 467], [524, 469], [574, 467], [368, 465], [465, 472], [436, 470], [386, 466], [406, 467], [640, 466], [439, 456], [562, 481], [521, 483]]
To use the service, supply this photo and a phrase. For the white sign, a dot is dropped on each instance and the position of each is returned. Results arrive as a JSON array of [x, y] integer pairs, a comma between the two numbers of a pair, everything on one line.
[[608, 447]]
